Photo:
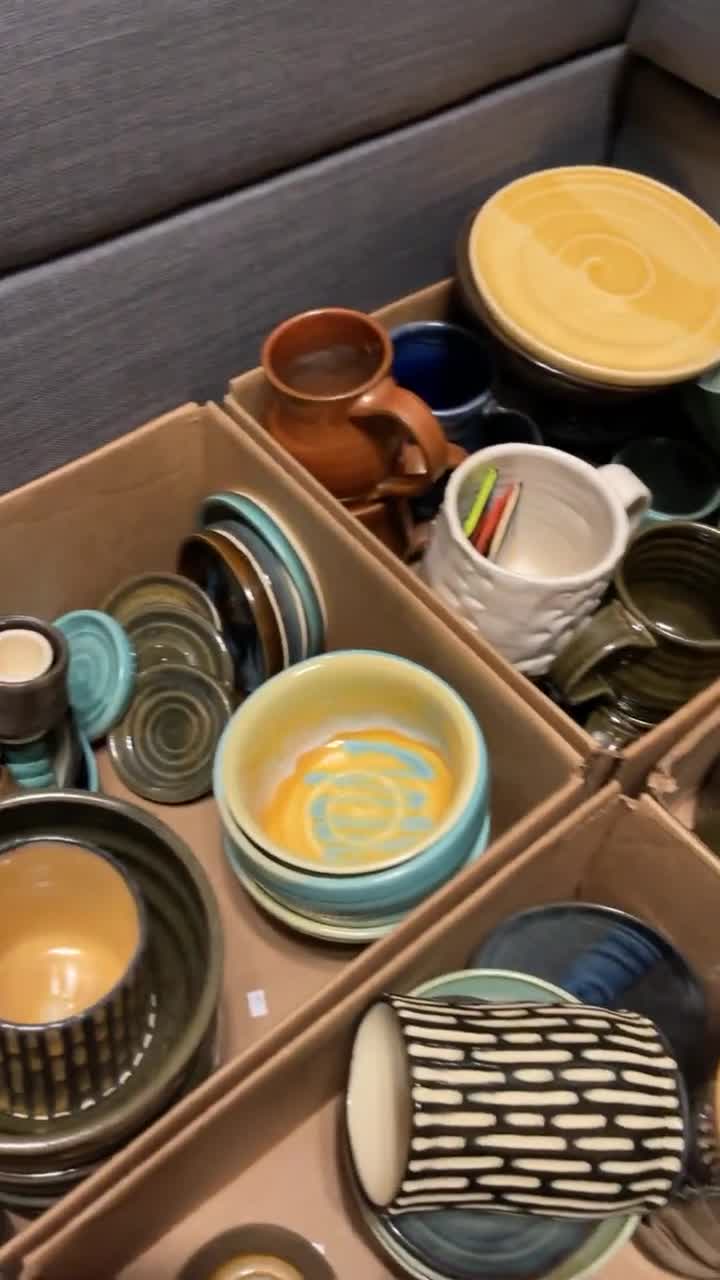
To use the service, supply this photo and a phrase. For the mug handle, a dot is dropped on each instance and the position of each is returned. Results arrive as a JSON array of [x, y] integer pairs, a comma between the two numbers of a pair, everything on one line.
[[629, 488], [610, 631], [416, 420]]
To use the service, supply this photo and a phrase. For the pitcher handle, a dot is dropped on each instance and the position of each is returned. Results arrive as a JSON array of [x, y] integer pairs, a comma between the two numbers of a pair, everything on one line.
[[610, 631], [419, 424]]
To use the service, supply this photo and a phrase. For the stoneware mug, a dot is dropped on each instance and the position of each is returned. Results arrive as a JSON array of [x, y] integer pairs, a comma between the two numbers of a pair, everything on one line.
[[658, 642], [450, 368], [334, 406], [569, 531], [565, 1109], [684, 480]]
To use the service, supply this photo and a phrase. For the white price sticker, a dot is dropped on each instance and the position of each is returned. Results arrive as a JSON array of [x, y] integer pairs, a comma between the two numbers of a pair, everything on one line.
[[257, 1004]]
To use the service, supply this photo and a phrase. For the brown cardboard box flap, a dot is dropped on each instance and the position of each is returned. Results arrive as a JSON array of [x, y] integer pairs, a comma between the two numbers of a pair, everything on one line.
[[639, 759], [685, 779], [268, 1150], [72, 536]]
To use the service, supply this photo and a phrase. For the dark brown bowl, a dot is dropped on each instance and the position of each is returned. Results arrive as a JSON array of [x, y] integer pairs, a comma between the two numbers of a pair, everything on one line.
[[184, 951], [517, 364], [31, 708]]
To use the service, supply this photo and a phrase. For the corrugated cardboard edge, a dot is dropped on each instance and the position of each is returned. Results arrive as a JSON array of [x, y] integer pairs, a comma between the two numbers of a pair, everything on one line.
[[113, 1208], [676, 780], [642, 757], [430, 303]]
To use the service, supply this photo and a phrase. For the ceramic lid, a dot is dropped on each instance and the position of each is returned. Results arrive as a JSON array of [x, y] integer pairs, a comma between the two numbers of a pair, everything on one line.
[[606, 274], [101, 675]]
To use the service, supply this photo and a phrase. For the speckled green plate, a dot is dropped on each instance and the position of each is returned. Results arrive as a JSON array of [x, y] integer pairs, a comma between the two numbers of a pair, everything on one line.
[[157, 591], [176, 637], [163, 748]]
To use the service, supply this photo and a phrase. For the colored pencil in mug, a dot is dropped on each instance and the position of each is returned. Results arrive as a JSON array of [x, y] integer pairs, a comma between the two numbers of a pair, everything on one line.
[[489, 522], [506, 517], [488, 479]]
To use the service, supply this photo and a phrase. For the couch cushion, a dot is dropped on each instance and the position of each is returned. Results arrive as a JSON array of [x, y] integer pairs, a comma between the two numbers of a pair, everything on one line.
[[682, 36], [105, 338], [117, 111], [670, 131]]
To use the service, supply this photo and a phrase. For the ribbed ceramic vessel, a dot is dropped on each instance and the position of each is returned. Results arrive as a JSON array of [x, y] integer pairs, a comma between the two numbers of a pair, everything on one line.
[[40, 1159], [561, 1110], [59, 1067]]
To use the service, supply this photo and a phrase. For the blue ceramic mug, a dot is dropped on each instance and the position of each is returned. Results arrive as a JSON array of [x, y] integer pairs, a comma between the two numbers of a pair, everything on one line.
[[451, 370]]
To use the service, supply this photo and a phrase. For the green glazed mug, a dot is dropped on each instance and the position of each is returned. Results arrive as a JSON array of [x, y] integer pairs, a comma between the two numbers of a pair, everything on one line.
[[657, 643]]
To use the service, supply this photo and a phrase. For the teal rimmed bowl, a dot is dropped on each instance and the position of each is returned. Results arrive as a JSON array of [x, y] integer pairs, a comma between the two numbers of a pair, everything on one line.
[[350, 899], [307, 705]]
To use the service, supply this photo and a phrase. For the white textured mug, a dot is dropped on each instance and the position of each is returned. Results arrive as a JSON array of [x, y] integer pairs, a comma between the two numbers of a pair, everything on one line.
[[570, 528]]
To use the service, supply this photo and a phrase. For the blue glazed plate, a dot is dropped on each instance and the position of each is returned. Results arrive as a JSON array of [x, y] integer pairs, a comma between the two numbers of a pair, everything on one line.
[[229, 505], [465, 1244], [586, 947]]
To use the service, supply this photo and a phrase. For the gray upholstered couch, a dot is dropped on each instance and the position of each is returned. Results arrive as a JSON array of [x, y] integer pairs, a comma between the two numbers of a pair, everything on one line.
[[177, 175]]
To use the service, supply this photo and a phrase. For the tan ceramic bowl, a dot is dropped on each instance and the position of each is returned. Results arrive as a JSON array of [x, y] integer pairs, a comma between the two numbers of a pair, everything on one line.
[[75, 1002]]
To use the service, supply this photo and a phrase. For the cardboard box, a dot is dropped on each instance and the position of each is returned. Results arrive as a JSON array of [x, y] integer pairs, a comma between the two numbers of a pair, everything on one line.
[[70, 537], [685, 782], [268, 1149], [690, 725], [245, 401]]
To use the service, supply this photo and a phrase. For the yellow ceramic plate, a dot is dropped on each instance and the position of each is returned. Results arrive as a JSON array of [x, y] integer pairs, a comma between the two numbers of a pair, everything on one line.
[[605, 274]]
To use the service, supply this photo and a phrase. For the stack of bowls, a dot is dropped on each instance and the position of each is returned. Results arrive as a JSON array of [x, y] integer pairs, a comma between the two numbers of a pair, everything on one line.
[[110, 970], [350, 787], [596, 283]]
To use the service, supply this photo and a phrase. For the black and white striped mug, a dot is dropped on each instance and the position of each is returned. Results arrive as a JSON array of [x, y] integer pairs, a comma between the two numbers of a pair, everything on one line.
[[565, 1110]]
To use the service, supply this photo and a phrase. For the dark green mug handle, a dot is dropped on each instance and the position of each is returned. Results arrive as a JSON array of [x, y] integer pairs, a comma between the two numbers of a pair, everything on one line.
[[609, 632]]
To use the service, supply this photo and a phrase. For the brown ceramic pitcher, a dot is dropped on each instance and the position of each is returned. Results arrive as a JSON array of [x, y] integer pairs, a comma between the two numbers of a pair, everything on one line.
[[334, 407]]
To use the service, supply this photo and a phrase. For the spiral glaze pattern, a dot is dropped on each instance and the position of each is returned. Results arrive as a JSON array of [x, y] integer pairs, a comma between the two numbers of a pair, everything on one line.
[[607, 275]]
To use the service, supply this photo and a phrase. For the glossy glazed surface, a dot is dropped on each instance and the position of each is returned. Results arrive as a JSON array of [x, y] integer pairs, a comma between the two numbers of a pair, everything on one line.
[[71, 928], [606, 274]]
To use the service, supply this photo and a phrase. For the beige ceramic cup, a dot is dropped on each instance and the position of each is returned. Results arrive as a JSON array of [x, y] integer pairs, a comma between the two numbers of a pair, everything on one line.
[[569, 531]]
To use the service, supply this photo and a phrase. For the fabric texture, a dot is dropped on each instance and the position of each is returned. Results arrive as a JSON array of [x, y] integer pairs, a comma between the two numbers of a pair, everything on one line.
[[119, 111], [683, 36], [103, 339], [672, 132]]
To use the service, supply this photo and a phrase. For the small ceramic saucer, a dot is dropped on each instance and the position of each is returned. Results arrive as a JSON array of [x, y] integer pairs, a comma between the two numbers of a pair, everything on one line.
[[163, 749], [258, 1251], [181, 638], [252, 512], [251, 624], [158, 591], [101, 675], [241, 561], [448, 1244], [282, 585]]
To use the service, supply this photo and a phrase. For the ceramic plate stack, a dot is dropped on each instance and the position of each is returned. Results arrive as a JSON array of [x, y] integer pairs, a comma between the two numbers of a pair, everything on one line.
[[450, 1243], [350, 787], [89, 1057], [596, 280], [262, 584]]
